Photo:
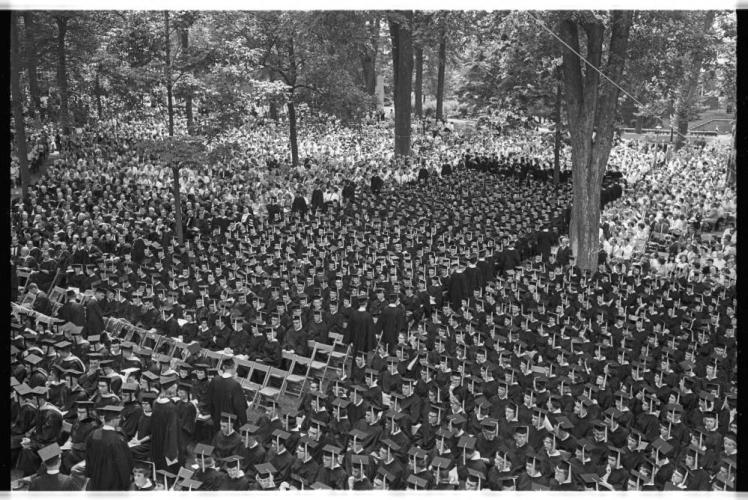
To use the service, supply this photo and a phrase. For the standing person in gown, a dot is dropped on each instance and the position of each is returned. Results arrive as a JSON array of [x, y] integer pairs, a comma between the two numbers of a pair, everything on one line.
[[225, 394], [360, 332], [165, 436], [108, 458]]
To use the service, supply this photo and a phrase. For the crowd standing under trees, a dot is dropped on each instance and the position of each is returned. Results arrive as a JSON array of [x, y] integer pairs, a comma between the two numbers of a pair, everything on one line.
[[240, 311]]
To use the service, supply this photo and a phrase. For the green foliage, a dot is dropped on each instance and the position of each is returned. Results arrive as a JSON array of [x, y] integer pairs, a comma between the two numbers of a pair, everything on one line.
[[662, 47], [239, 61], [512, 64]]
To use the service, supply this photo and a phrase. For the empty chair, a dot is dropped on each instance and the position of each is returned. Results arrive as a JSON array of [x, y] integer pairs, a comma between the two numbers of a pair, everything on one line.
[[273, 387], [298, 371]]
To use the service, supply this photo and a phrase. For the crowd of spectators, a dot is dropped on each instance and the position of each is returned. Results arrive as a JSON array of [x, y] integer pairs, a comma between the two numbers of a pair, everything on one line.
[[480, 356]]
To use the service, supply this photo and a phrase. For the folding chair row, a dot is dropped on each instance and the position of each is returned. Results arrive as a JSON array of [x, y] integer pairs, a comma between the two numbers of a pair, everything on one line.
[[255, 377], [334, 357], [299, 368]]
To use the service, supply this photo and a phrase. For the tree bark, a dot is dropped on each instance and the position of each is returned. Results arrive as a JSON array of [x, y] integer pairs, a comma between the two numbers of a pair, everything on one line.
[[185, 38], [273, 111], [440, 74], [369, 58], [167, 71], [62, 76], [292, 132], [170, 108], [17, 98], [402, 66], [591, 110], [177, 205], [291, 81], [557, 138], [687, 92], [29, 28], [419, 82]]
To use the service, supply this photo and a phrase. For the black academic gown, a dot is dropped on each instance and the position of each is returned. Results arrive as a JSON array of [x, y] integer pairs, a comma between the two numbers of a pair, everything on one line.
[[458, 289], [391, 323], [94, 318], [79, 433], [211, 479], [361, 332], [186, 415], [52, 482], [236, 484], [226, 446], [224, 394], [165, 438], [48, 428], [108, 461], [129, 418]]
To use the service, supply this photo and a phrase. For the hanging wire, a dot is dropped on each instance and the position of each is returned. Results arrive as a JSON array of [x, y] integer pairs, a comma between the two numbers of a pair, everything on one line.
[[593, 66]]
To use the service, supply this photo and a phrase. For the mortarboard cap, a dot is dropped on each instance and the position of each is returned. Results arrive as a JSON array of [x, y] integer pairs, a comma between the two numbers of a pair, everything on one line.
[[49, 452]]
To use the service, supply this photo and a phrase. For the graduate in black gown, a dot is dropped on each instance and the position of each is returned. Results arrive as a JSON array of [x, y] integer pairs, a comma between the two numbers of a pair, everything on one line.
[[50, 478], [235, 480], [46, 432], [209, 474], [225, 394], [84, 424], [141, 478], [361, 329], [458, 287], [132, 411], [186, 415], [227, 442], [165, 436], [108, 458], [392, 321], [140, 443]]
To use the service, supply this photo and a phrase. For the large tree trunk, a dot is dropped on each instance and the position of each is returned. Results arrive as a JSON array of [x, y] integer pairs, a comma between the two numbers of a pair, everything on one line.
[[185, 38], [402, 66], [440, 74], [177, 205], [686, 99], [62, 76], [167, 71], [28, 28], [292, 132], [369, 58], [591, 112], [419, 82], [369, 74], [557, 138], [291, 81], [17, 98], [170, 109]]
